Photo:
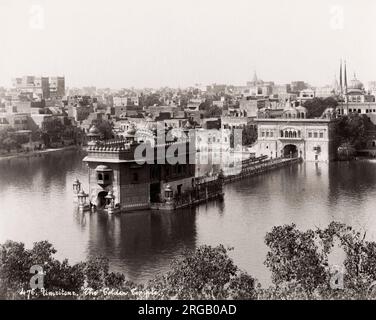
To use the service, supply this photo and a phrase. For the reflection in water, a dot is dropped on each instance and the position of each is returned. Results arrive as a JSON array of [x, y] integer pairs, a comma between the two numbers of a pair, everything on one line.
[[142, 244], [37, 204]]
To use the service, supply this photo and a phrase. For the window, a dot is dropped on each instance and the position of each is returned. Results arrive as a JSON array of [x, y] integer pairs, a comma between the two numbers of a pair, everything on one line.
[[321, 135], [315, 134], [271, 134], [262, 134], [100, 176], [267, 134], [309, 134]]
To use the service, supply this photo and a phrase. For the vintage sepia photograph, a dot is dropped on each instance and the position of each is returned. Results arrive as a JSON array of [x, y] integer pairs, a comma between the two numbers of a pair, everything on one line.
[[187, 151]]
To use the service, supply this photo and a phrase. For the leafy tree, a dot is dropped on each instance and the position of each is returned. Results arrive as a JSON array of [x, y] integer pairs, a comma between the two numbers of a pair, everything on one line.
[[212, 112], [105, 128], [294, 257], [15, 264], [360, 261], [248, 135], [206, 273], [352, 129], [317, 106], [9, 144], [151, 100], [96, 271]]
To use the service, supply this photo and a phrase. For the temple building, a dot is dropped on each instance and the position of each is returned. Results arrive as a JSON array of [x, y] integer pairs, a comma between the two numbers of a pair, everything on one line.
[[293, 135], [355, 99], [115, 168]]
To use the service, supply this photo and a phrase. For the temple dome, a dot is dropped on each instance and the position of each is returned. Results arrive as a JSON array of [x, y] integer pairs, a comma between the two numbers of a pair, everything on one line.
[[355, 84], [301, 109], [94, 130], [131, 131]]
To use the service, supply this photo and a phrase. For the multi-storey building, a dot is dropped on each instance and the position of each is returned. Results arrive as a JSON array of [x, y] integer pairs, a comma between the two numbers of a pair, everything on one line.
[[293, 135]]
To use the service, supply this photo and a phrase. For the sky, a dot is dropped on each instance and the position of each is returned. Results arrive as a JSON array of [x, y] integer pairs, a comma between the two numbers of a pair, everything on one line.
[[178, 43]]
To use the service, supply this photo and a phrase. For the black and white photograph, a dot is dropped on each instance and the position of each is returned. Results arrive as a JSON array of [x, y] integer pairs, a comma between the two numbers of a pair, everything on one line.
[[198, 151]]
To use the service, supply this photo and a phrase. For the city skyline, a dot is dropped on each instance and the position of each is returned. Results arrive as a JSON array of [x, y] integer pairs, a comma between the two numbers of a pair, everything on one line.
[[155, 44]]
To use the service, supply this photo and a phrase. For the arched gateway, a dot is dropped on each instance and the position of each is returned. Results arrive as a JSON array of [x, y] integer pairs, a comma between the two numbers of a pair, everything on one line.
[[290, 151]]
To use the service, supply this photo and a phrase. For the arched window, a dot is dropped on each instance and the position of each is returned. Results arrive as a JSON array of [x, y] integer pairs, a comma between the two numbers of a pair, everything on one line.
[[299, 133], [294, 134], [281, 133]]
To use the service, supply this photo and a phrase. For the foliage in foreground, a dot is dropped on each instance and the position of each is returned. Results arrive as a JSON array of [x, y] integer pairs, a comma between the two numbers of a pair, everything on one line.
[[298, 261]]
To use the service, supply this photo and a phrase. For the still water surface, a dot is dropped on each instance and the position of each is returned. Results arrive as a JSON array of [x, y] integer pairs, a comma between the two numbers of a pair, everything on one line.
[[36, 204]]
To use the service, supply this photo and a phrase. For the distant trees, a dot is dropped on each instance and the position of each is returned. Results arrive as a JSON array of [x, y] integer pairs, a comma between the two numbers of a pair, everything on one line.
[[9, 140], [248, 135], [105, 127], [213, 112], [150, 100], [317, 106], [52, 131], [352, 129]]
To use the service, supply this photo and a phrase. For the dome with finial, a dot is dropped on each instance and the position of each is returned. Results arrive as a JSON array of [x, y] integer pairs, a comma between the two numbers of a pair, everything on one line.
[[131, 131], [355, 84], [94, 130]]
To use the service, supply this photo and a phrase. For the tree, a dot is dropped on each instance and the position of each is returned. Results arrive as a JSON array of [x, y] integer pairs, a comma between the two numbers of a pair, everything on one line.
[[317, 106], [294, 257], [7, 140], [360, 261], [248, 135], [206, 273], [9, 144], [213, 112], [352, 129], [105, 128]]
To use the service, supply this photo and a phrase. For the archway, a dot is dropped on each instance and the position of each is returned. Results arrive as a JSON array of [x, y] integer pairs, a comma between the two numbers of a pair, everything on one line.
[[290, 150], [101, 200]]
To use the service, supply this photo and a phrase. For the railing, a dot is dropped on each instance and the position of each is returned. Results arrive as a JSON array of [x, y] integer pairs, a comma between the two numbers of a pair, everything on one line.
[[261, 167]]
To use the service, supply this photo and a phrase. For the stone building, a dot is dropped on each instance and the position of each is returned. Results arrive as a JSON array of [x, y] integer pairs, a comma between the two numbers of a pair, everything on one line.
[[310, 139], [115, 167]]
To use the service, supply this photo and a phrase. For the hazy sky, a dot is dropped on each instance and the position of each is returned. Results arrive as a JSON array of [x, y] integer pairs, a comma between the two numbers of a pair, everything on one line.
[[179, 43]]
